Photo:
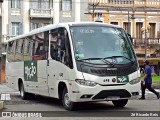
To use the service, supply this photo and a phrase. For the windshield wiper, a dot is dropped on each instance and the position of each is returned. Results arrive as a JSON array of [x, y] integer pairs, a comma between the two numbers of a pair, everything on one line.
[[119, 56], [102, 59]]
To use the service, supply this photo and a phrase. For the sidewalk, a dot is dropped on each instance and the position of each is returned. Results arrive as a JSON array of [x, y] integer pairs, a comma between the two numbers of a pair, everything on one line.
[[5, 89], [156, 85]]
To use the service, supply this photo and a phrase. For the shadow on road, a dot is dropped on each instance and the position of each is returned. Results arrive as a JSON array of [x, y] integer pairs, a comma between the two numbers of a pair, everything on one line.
[[83, 106]]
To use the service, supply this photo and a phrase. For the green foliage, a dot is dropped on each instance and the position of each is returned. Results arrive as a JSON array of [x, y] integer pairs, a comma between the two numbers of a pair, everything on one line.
[[154, 74], [155, 78]]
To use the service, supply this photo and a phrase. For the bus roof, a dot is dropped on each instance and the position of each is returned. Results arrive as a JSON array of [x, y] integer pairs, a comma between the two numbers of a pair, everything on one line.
[[52, 26]]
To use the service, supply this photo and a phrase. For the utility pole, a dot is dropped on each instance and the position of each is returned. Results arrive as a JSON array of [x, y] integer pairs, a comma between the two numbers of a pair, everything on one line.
[[128, 22], [145, 31], [94, 5]]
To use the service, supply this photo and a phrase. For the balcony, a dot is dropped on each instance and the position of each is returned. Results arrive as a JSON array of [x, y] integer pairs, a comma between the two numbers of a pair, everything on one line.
[[153, 50], [119, 3], [4, 39], [150, 41], [41, 13], [15, 11]]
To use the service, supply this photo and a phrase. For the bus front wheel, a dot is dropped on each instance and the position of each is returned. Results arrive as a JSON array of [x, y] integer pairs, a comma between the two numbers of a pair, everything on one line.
[[120, 103], [67, 104]]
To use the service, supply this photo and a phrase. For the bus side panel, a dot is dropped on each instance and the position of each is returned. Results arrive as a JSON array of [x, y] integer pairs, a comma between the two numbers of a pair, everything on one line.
[[14, 71], [42, 77]]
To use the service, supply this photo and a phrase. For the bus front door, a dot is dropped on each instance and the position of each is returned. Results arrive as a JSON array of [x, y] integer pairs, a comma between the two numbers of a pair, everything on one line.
[[56, 73]]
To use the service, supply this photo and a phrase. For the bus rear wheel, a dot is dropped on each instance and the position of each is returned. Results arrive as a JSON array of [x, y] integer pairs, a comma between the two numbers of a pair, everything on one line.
[[120, 103], [67, 104], [23, 94]]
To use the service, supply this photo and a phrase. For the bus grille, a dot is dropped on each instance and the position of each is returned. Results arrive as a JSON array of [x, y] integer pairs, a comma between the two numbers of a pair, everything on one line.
[[107, 93], [119, 71]]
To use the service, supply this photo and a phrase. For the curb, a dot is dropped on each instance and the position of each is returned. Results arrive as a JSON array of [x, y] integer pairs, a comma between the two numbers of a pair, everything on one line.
[[1, 105], [156, 85]]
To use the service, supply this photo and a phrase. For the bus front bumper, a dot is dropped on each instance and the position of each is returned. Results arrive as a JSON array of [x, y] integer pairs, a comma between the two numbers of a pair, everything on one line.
[[80, 93]]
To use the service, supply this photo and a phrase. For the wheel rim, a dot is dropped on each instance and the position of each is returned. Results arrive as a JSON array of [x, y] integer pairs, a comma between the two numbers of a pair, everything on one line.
[[66, 99], [22, 91]]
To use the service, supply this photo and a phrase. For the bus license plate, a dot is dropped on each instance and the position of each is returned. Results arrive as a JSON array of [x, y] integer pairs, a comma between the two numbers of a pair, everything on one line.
[[112, 98]]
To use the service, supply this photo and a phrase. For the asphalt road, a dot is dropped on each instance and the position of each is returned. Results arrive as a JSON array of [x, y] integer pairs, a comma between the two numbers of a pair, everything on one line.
[[135, 109]]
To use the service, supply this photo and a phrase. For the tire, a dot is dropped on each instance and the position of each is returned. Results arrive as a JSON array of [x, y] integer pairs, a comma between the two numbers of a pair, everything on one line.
[[23, 94], [120, 103], [67, 104]]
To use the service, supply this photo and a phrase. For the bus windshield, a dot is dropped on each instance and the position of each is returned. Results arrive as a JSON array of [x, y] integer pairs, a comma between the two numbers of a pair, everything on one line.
[[100, 44]]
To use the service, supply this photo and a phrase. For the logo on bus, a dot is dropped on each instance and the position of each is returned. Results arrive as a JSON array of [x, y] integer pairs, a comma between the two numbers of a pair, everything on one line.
[[30, 71], [122, 79]]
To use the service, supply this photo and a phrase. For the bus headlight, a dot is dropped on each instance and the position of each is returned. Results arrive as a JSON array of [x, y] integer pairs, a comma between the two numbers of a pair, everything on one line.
[[86, 82], [134, 81]]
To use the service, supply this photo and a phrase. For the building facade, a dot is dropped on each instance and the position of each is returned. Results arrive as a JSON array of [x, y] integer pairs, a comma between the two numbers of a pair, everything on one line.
[[21, 16], [140, 18]]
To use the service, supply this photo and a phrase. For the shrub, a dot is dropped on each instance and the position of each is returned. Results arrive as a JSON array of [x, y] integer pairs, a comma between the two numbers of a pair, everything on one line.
[[154, 74]]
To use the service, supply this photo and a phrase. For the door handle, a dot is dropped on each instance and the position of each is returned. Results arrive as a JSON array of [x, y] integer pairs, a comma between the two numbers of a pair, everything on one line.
[[52, 88], [47, 62]]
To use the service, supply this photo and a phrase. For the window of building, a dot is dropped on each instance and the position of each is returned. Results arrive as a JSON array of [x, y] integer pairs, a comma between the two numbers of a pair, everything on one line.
[[15, 4], [66, 5], [138, 30], [15, 28], [34, 26], [44, 4], [114, 23], [127, 26], [38, 25], [152, 30]]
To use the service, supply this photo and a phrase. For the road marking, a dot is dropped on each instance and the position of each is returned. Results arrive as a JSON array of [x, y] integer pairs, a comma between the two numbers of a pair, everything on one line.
[[8, 97], [5, 97]]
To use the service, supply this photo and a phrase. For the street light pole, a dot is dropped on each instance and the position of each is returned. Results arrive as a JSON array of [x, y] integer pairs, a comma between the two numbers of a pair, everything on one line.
[[145, 34], [145, 31]]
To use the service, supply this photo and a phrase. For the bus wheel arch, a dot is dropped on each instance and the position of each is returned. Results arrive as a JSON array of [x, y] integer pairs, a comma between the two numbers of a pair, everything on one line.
[[24, 95], [61, 87], [64, 96], [21, 89], [19, 83]]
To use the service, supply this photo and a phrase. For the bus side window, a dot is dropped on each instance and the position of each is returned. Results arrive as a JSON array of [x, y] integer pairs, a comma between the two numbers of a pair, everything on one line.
[[40, 49], [68, 57], [10, 52], [54, 50], [57, 44], [19, 50], [60, 47]]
